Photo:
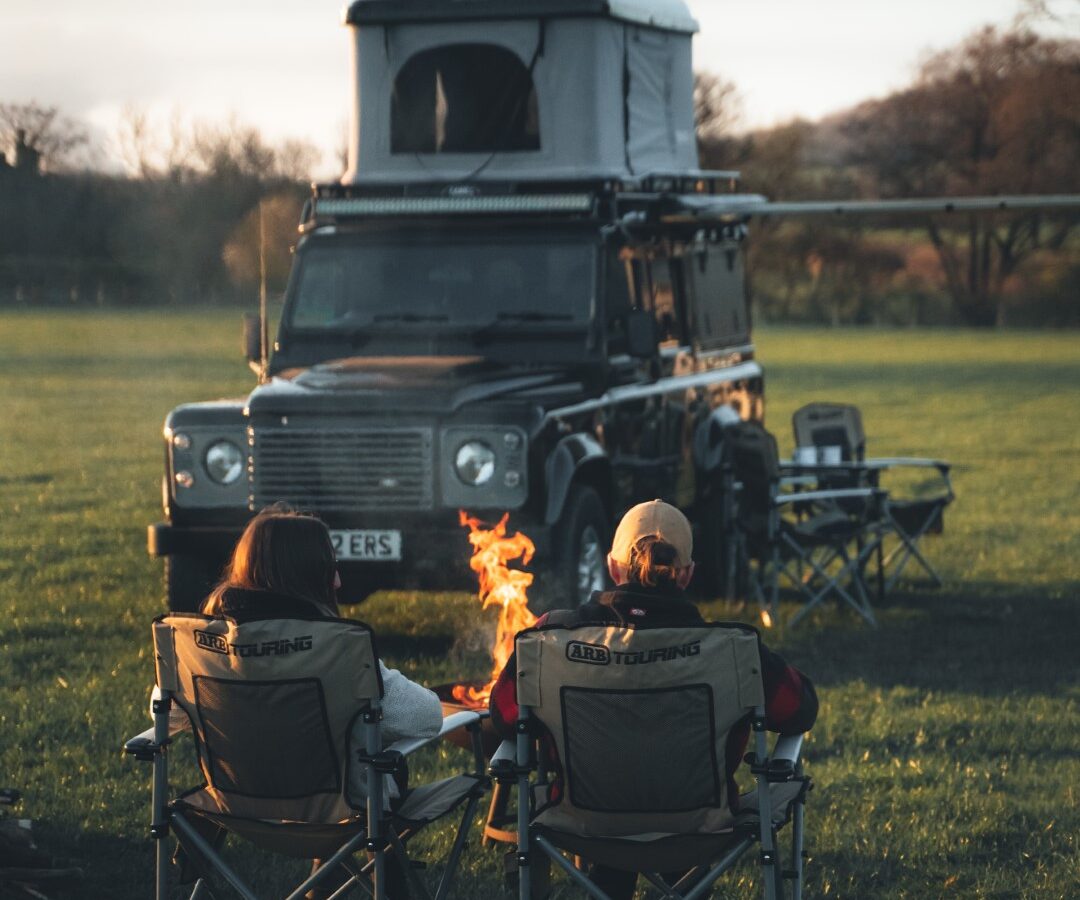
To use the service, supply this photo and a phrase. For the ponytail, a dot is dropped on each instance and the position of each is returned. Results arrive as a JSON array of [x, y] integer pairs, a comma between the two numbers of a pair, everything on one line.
[[653, 562]]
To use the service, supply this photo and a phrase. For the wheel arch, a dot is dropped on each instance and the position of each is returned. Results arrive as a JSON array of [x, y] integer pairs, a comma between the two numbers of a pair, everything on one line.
[[577, 459]]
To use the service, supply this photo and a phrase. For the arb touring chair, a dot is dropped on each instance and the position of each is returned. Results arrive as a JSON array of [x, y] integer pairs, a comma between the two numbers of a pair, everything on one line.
[[912, 514], [642, 723], [273, 705]]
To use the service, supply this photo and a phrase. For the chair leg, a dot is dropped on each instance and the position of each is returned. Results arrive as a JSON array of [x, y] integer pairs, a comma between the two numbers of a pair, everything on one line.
[[908, 548], [187, 833], [797, 848], [415, 884], [668, 891], [860, 605], [576, 876], [704, 887], [341, 856], [456, 851], [200, 891], [161, 868]]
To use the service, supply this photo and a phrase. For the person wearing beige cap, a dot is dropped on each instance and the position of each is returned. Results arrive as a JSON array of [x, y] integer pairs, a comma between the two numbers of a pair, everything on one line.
[[653, 544], [651, 563]]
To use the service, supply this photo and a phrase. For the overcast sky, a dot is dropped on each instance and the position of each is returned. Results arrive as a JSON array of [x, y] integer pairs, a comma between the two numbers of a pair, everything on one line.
[[283, 64]]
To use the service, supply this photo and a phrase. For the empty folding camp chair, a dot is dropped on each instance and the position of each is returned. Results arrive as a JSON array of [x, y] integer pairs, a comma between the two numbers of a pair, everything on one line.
[[642, 722], [821, 554], [911, 515], [273, 705], [831, 425]]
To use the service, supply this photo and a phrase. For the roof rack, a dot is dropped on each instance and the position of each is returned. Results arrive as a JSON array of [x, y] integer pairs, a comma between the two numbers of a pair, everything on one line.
[[331, 203], [708, 181]]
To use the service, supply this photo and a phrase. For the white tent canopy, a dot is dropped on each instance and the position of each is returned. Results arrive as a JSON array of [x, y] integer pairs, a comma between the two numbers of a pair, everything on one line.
[[520, 89]]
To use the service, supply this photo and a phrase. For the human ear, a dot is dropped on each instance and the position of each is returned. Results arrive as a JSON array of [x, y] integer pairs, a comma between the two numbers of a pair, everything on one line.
[[616, 570]]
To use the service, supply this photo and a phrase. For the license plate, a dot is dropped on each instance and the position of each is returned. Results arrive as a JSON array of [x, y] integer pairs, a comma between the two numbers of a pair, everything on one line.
[[368, 546]]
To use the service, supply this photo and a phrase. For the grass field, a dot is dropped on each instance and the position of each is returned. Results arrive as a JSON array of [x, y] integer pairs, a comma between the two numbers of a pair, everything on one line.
[[945, 757]]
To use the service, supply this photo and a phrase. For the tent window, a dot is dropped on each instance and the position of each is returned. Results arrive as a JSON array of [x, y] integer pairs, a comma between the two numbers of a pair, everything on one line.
[[665, 301], [464, 98]]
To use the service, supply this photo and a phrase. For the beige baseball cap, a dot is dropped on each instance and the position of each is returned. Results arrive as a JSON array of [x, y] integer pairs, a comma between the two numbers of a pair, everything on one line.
[[653, 517]]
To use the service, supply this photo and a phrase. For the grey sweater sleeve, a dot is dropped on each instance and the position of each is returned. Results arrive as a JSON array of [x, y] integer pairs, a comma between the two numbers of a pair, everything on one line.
[[409, 710]]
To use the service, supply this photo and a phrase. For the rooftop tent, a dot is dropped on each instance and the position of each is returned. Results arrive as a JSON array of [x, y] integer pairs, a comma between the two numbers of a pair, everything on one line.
[[522, 89]]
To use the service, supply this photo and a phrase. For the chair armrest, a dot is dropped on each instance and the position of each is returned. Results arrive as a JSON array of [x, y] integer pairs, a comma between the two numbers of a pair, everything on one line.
[[143, 746], [881, 463], [851, 465], [836, 494], [453, 722], [505, 755], [788, 747], [897, 462], [784, 758], [797, 480], [503, 766]]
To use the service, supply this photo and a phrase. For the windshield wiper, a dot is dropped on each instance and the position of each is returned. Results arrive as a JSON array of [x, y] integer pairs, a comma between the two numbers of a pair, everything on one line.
[[503, 322], [409, 317], [531, 316]]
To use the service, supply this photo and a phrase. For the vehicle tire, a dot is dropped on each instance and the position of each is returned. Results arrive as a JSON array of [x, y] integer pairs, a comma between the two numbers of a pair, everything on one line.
[[188, 579], [580, 543]]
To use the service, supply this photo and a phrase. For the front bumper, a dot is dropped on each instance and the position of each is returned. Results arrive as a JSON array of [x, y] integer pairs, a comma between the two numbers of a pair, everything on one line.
[[434, 555], [166, 539]]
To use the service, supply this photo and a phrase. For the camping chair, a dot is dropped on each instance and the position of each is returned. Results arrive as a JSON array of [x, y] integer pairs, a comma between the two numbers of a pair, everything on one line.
[[273, 706], [640, 721], [911, 516], [822, 553]]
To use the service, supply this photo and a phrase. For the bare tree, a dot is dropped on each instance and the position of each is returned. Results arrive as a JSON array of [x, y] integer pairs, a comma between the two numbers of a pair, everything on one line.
[[717, 113], [999, 114], [40, 130], [280, 213], [295, 160], [717, 105]]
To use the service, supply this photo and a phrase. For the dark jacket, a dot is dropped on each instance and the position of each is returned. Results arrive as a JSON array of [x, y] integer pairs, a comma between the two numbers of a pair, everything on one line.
[[242, 605], [791, 703]]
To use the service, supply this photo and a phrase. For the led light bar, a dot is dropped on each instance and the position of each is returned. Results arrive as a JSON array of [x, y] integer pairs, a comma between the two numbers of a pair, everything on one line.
[[414, 206]]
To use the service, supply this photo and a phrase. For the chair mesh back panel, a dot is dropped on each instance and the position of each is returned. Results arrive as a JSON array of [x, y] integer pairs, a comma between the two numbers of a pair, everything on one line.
[[267, 738], [831, 425], [640, 719], [641, 751], [834, 436]]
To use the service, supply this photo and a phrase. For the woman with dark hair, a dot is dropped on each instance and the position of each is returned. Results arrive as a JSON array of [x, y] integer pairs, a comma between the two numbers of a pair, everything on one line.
[[651, 563], [284, 567], [283, 559]]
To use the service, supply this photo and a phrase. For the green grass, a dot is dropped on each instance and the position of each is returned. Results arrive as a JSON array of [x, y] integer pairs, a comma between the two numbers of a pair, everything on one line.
[[945, 757]]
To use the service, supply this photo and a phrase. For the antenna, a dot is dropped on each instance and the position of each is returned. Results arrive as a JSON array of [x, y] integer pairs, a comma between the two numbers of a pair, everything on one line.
[[264, 325]]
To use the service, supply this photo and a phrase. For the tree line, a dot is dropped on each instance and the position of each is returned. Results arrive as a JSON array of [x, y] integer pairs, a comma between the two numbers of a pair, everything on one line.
[[997, 114]]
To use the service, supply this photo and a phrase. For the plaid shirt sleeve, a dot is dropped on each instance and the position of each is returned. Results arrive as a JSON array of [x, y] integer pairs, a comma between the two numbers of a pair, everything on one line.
[[791, 703]]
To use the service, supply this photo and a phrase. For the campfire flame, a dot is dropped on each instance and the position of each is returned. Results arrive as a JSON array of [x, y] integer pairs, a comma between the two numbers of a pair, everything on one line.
[[499, 586]]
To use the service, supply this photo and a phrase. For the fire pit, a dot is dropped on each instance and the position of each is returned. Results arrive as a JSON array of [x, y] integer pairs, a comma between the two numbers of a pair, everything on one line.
[[505, 588], [451, 705], [501, 587]]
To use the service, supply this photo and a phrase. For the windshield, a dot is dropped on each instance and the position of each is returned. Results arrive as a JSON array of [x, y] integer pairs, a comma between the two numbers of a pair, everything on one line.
[[472, 281]]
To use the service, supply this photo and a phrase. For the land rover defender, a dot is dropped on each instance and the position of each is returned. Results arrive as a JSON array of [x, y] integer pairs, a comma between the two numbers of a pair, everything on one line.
[[508, 304]]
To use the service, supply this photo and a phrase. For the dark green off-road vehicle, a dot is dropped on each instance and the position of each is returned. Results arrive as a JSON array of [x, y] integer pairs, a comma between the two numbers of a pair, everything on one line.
[[507, 304]]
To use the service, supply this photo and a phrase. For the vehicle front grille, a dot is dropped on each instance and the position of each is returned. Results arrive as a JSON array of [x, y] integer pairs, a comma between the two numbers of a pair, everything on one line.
[[341, 471]]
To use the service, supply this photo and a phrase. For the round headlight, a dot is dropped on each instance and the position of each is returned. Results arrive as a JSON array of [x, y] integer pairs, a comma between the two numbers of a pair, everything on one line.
[[475, 463], [224, 462]]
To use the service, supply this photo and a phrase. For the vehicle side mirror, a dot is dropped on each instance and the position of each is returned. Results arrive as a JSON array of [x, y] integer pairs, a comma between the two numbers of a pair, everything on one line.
[[641, 334], [253, 339]]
